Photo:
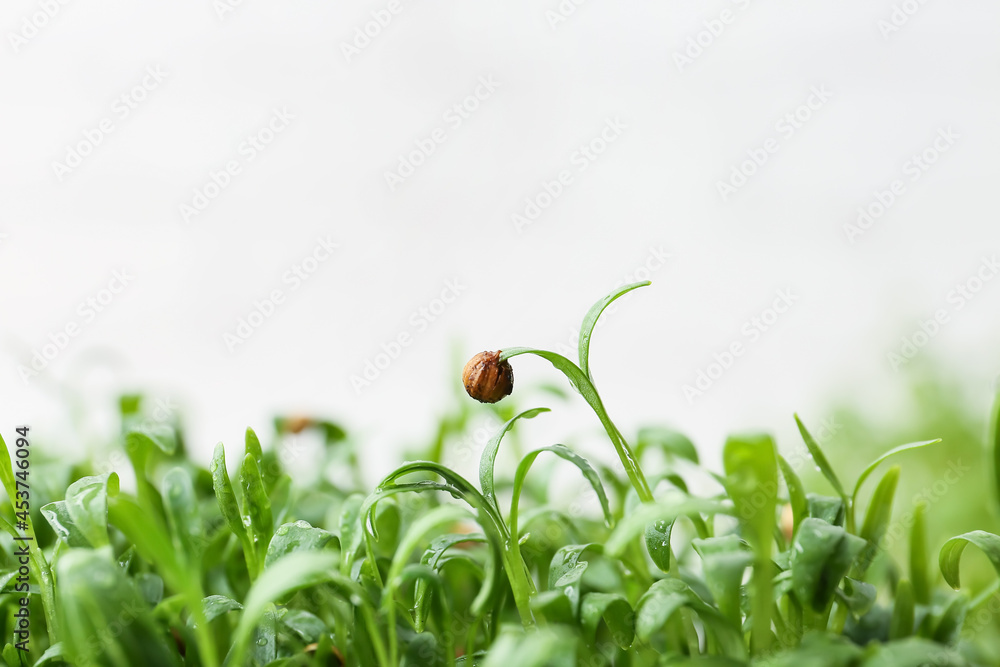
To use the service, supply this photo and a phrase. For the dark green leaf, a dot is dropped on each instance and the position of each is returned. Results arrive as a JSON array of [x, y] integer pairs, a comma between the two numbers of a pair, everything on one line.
[[553, 606], [666, 597], [657, 536], [821, 556], [826, 508], [859, 596], [616, 613], [298, 536], [566, 570]]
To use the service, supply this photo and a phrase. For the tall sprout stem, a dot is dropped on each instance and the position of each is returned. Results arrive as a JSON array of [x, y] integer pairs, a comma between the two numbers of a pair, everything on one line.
[[585, 387]]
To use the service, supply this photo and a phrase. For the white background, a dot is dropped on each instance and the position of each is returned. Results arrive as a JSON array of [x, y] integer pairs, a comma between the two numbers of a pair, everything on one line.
[[687, 125]]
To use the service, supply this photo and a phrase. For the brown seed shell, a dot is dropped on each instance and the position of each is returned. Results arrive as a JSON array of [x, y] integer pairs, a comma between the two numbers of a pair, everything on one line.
[[488, 379]]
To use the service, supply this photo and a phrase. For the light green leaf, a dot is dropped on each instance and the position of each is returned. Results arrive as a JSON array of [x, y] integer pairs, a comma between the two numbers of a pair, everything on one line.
[[902, 612], [920, 573], [877, 517], [590, 320], [724, 560], [892, 452], [951, 553], [796, 494], [183, 516], [751, 467], [488, 458], [820, 459], [670, 442], [256, 504], [634, 523]]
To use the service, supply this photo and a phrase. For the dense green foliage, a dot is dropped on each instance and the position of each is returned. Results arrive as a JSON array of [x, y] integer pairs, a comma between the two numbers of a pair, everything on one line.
[[239, 565]]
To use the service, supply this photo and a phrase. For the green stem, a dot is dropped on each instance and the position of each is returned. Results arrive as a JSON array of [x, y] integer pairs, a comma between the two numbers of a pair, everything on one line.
[[579, 380]]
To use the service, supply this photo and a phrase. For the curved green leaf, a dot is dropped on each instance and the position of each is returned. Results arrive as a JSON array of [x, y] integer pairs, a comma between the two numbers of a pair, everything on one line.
[[582, 385], [892, 452], [489, 455], [667, 596], [566, 454], [590, 321], [566, 570], [951, 553]]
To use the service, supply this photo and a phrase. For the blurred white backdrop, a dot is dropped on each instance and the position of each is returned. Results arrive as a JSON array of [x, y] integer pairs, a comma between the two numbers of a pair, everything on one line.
[[216, 154]]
